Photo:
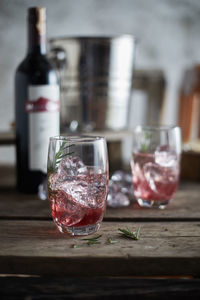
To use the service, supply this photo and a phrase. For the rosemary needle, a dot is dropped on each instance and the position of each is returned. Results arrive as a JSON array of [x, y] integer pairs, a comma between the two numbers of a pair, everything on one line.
[[111, 241], [90, 241], [59, 155], [93, 240], [129, 234]]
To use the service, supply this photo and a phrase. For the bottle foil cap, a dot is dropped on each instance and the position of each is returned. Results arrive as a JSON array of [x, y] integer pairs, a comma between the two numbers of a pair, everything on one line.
[[37, 15]]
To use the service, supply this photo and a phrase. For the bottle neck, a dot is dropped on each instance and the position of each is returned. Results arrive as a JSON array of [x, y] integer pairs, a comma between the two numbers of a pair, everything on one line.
[[36, 31], [36, 41]]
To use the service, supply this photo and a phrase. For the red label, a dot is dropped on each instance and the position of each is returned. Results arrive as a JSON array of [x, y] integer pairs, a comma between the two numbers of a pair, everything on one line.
[[42, 105]]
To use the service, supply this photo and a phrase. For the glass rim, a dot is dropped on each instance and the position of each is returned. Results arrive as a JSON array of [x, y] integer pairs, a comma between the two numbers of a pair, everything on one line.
[[77, 138], [155, 128]]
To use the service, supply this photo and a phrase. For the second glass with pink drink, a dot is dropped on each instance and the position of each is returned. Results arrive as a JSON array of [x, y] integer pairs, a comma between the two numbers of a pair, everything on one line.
[[155, 164]]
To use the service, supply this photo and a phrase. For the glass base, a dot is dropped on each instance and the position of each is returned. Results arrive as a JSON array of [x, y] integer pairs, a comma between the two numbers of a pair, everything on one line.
[[79, 231], [161, 204]]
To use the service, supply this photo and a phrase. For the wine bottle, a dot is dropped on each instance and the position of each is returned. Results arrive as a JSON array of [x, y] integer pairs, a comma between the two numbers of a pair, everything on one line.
[[37, 106]]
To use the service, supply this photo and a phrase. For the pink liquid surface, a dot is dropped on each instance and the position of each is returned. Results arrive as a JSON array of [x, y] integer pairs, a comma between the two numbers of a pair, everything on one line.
[[152, 180]]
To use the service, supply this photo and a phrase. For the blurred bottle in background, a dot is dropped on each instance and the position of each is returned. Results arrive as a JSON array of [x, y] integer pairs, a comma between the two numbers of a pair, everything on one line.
[[148, 97], [189, 108], [37, 106], [189, 121]]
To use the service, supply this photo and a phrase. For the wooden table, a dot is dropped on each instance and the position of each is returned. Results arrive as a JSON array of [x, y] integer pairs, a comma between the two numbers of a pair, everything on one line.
[[37, 260]]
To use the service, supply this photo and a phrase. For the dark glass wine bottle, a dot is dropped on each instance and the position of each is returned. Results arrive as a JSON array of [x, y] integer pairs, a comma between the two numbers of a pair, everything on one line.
[[36, 106]]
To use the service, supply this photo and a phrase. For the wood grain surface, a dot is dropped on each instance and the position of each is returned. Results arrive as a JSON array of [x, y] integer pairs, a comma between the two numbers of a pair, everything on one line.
[[36, 247], [99, 288], [38, 262]]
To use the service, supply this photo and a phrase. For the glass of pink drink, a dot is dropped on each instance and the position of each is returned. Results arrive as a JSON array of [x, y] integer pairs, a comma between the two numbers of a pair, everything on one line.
[[155, 164], [77, 183]]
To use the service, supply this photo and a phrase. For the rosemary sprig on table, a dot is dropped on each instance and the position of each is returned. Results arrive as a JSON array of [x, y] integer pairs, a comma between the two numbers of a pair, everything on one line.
[[93, 240], [130, 234], [90, 241], [126, 232]]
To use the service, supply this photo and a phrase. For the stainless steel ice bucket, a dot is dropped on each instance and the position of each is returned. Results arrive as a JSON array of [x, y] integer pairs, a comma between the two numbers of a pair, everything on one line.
[[96, 76]]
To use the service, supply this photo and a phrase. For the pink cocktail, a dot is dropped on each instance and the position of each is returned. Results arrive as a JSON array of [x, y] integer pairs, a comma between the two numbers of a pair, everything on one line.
[[79, 200], [155, 166], [77, 183], [152, 181]]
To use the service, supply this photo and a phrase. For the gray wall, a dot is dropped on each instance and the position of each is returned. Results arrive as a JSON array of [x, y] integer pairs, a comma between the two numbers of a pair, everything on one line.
[[168, 33]]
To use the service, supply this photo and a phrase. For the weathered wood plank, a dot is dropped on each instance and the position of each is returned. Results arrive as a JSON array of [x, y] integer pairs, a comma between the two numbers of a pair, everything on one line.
[[98, 288], [36, 247], [14, 204], [185, 206]]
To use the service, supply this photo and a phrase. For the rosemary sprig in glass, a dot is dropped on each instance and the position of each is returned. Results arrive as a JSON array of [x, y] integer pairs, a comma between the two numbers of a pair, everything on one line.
[[60, 155], [146, 142], [130, 234]]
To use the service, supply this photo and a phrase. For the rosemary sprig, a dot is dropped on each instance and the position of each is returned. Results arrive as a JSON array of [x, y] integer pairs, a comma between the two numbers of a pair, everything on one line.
[[93, 240], [90, 241], [144, 148], [145, 145], [126, 232], [130, 234], [60, 155]]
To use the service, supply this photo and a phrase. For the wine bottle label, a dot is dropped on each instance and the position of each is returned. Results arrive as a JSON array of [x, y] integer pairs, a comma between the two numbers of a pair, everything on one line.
[[43, 108]]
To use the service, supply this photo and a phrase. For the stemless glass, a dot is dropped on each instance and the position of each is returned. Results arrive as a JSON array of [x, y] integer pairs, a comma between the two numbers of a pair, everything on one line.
[[155, 164], [77, 182]]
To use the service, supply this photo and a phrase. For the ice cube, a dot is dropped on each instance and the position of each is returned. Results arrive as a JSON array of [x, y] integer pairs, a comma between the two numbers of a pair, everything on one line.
[[153, 173], [77, 189], [86, 185], [121, 176], [117, 199], [43, 190], [97, 190], [87, 190], [117, 176], [120, 191], [53, 181], [128, 178], [65, 210], [71, 165], [137, 171], [165, 157], [160, 179]]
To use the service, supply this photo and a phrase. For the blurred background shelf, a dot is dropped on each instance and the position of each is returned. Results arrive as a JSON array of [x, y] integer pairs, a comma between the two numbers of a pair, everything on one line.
[[7, 138], [190, 162], [114, 139]]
